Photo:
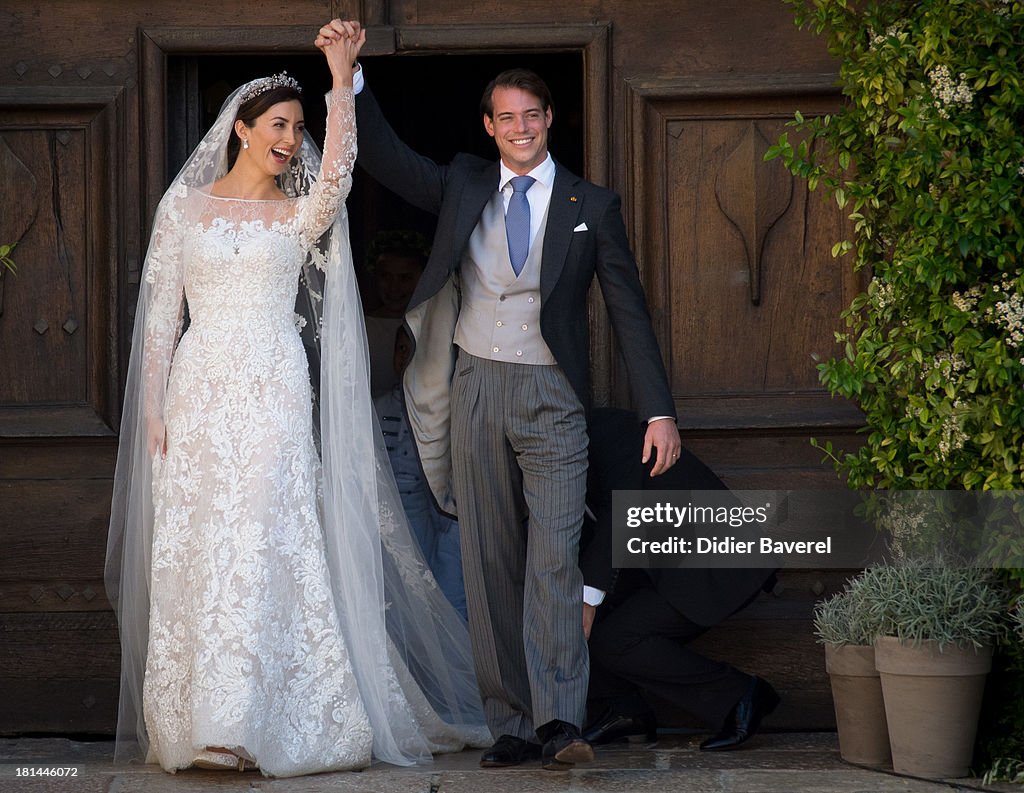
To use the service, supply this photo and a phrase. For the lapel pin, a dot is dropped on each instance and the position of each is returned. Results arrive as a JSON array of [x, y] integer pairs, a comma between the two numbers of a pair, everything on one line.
[[572, 198]]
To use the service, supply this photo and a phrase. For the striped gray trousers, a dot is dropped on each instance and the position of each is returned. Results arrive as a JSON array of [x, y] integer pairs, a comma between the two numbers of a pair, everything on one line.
[[519, 457]]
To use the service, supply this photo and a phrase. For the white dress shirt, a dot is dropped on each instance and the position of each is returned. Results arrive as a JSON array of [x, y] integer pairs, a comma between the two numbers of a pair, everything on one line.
[[538, 196]]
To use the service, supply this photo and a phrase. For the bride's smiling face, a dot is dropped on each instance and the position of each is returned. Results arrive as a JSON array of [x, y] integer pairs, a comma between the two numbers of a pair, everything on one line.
[[274, 137]]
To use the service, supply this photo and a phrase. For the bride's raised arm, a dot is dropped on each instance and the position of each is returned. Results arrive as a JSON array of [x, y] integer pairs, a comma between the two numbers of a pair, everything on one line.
[[334, 181]]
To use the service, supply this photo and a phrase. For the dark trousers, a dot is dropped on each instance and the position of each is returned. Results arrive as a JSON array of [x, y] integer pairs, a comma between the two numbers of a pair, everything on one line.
[[638, 646]]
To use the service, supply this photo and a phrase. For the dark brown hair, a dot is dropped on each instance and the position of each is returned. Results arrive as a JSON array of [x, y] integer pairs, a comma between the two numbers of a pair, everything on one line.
[[523, 79], [252, 109]]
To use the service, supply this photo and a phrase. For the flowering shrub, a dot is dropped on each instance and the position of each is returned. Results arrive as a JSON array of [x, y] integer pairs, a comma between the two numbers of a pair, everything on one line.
[[927, 152]]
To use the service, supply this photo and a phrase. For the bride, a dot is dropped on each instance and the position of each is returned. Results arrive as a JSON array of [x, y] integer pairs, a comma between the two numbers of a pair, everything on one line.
[[256, 534]]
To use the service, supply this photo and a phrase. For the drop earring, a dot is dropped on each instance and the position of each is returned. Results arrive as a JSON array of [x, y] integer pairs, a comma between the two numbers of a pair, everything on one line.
[[245, 143]]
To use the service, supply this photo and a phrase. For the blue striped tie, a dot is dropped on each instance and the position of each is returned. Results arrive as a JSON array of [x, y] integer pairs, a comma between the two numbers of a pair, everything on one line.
[[517, 222]]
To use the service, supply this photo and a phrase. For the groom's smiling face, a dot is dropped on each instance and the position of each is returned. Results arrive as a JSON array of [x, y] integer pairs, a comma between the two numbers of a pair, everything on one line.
[[519, 127]]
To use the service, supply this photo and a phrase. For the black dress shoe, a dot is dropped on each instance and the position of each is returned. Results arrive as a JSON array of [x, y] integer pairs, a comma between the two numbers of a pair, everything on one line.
[[564, 747], [744, 719], [613, 726], [509, 750]]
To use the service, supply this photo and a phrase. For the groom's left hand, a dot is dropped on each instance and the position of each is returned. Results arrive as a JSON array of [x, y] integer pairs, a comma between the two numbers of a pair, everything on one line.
[[663, 436]]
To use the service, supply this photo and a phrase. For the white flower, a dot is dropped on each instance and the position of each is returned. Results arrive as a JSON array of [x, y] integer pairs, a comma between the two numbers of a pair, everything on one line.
[[953, 437], [877, 38], [882, 292], [967, 301], [947, 364], [946, 92], [1009, 314]]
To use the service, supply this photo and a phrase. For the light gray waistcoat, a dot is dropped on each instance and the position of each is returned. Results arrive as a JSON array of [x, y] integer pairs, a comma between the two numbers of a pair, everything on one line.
[[500, 314]]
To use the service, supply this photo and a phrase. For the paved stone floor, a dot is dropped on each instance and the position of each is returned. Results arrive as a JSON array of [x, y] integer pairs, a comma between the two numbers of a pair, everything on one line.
[[771, 763]]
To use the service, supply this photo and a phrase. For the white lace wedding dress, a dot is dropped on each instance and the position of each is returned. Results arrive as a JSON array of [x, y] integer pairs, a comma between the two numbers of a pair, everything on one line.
[[245, 646], [246, 649]]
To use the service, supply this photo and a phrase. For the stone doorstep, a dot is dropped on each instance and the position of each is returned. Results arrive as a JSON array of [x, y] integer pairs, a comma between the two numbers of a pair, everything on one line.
[[773, 763]]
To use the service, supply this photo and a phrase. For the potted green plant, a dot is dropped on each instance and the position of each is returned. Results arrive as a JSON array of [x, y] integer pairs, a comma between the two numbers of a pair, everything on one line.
[[936, 626], [842, 623]]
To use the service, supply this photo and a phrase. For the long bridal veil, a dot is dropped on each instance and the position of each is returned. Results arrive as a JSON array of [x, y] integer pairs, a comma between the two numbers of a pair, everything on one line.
[[409, 648]]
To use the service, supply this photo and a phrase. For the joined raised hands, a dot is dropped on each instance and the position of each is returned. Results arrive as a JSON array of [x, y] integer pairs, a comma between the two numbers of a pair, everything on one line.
[[340, 41]]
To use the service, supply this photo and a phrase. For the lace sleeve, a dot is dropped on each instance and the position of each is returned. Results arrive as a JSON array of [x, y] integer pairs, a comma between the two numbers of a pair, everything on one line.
[[328, 193], [163, 301]]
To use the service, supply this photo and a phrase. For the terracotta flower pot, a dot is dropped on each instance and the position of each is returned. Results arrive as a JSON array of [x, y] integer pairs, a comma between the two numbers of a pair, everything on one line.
[[857, 697], [932, 702]]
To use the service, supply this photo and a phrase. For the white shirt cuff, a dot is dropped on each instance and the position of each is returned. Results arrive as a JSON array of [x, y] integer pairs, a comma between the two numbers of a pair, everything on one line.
[[652, 418], [358, 81], [592, 597]]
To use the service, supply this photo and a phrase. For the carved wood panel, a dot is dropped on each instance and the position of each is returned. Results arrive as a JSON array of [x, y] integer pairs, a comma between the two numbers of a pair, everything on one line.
[[49, 296], [54, 510], [736, 253], [56, 316]]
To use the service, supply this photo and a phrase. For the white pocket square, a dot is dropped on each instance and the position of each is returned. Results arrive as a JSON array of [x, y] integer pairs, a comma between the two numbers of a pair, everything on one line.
[[581, 227]]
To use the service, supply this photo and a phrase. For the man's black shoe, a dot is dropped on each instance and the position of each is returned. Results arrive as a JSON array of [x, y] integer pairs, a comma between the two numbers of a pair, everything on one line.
[[509, 750], [564, 747], [744, 719], [615, 727]]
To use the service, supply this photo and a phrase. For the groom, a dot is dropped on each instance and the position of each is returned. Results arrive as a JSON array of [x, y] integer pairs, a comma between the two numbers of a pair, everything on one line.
[[498, 389]]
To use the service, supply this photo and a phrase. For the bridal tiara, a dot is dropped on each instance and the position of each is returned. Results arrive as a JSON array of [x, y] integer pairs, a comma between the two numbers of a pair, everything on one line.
[[263, 84]]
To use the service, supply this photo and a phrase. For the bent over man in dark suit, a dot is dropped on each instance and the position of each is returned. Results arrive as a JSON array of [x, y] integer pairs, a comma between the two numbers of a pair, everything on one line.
[[498, 389], [638, 641]]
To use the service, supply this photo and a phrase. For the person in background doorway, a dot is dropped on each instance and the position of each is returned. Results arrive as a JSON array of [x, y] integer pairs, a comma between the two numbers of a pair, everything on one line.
[[638, 643], [436, 533], [396, 261]]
